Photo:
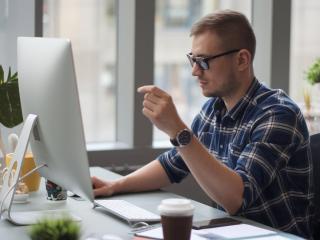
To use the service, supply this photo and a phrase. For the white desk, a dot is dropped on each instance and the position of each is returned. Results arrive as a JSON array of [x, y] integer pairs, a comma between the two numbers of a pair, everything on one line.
[[96, 221]]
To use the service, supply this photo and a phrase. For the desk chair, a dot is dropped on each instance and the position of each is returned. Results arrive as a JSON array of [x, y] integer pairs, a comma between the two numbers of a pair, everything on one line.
[[315, 152]]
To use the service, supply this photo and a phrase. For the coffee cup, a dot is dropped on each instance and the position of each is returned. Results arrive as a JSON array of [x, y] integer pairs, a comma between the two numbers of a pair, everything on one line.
[[32, 181], [176, 218]]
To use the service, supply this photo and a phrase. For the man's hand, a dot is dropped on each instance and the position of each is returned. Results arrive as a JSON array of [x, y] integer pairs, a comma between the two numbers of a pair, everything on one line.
[[102, 188], [161, 111]]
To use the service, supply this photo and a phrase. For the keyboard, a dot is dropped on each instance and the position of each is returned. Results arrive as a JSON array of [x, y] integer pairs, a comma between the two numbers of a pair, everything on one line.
[[127, 211]]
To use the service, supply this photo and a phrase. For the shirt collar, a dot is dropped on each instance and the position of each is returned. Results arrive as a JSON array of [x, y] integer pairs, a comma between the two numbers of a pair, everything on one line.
[[245, 100], [219, 107]]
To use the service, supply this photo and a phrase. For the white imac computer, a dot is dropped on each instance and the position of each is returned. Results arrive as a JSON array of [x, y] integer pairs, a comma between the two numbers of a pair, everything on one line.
[[53, 123]]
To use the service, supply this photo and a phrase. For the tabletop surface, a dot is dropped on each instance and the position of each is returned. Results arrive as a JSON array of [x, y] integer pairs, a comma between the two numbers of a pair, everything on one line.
[[97, 222]]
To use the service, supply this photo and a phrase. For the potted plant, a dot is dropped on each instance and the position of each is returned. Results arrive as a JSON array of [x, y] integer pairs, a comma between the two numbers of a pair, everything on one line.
[[313, 78], [10, 107], [313, 73], [311, 97], [63, 228]]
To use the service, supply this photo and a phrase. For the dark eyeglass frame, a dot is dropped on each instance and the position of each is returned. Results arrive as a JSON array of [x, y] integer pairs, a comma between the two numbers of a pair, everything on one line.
[[203, 62]]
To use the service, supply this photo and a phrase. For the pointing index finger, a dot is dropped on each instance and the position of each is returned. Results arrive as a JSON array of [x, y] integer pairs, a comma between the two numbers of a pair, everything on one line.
[[150, 89]]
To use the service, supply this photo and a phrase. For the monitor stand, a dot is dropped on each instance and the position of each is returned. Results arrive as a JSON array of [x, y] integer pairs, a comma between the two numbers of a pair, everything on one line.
[[9, 185]]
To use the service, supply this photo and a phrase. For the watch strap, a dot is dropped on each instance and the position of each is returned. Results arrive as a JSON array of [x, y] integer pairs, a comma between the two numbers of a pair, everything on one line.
[[174, 142]]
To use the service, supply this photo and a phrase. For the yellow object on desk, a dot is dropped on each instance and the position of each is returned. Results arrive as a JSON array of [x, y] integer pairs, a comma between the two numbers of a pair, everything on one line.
[[32, 181]]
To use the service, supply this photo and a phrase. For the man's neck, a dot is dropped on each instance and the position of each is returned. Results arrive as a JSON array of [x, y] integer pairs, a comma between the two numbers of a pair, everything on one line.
[[231, 100]]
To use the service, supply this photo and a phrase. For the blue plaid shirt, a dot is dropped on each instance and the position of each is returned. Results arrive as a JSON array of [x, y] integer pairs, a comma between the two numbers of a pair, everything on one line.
[[264, 138]]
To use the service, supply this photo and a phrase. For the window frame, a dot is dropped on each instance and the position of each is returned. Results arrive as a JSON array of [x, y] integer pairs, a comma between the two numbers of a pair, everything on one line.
[[135, 45], [134, 147]]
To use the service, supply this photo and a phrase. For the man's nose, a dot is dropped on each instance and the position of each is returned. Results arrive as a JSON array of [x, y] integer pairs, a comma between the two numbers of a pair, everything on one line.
[[196, 70]]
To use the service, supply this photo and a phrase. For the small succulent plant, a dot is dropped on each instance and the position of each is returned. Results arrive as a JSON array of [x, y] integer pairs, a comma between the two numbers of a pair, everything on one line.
[[313, 73], [63, 228], [10, 107]]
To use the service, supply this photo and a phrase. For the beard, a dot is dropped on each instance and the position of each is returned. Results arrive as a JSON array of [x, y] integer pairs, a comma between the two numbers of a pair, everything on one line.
[[227, 87]]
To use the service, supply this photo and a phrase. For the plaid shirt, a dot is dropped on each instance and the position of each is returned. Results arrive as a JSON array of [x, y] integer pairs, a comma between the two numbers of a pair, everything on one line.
[[264, 138]]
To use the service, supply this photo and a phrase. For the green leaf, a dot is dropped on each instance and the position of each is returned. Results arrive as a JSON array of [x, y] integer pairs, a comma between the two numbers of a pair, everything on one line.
[[1, 75], [14, 77], [9, 75], [55, 229], [313, 73], [10, 107]]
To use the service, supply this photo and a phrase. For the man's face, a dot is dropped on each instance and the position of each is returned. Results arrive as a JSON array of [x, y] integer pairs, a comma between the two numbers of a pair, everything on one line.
[[219, 80]]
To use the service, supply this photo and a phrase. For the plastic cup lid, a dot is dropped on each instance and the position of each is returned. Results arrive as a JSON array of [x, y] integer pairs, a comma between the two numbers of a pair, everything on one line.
[[176, 206]]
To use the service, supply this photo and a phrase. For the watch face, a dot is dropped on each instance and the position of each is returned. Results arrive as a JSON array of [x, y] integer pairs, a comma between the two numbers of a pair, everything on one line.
[[184, 137]]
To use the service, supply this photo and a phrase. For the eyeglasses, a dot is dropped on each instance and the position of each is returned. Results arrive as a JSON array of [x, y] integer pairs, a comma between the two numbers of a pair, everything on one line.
[[203, 62]]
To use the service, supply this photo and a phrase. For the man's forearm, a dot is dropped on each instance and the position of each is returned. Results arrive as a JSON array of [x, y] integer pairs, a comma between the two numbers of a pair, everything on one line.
[[150, 177], [222, 184]]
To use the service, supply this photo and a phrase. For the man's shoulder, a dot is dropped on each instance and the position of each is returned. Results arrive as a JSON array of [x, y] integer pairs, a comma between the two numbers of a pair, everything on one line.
[[275, 100], [274, 108]]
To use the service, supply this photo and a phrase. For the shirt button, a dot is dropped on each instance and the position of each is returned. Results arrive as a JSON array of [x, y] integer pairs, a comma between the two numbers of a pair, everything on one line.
[[221, 146]]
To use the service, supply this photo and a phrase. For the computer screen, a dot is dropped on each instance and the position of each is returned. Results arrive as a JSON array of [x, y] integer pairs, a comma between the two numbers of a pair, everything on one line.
[[48, 89]]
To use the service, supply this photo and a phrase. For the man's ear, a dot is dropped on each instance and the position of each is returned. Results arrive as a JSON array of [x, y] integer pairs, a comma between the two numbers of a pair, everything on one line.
[[244, 59]]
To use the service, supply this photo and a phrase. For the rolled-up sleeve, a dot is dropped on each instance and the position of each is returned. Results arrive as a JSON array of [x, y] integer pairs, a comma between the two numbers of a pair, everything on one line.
[[174, 166]]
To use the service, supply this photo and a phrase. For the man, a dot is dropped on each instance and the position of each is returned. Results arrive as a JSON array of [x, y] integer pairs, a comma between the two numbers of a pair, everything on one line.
[[248, 148]]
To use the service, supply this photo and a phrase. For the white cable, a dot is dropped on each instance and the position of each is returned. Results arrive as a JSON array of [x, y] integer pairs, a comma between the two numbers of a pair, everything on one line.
[[19, 180]]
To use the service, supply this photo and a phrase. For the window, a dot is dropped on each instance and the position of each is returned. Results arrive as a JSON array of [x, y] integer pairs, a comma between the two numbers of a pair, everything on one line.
[[304, 51], [90, 24], [173, 20]]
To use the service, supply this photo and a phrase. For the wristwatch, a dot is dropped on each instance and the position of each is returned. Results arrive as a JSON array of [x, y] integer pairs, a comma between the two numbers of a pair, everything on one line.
[[182, 138]]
